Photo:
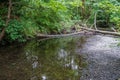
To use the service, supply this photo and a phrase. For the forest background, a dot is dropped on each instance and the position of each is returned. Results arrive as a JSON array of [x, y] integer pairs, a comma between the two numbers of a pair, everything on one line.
[[23, 19]]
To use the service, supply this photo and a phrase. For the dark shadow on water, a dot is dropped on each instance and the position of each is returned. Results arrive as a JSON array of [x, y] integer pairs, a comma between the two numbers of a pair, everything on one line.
[[53, 59]]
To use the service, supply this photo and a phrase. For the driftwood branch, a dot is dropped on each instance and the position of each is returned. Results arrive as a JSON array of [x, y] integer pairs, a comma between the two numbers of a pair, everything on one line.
[[100, 31], [7, 20]]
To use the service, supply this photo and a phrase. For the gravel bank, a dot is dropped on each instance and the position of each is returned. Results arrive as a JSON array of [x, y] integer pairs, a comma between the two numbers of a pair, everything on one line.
[[103, 57]]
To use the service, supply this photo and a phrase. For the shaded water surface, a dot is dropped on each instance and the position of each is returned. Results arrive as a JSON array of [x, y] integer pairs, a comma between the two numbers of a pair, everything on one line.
[[53, 59], [73, 58]]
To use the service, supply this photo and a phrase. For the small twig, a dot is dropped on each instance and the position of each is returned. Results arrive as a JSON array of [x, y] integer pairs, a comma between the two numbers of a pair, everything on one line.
[[113, 29], [89, 18], [91, 26]]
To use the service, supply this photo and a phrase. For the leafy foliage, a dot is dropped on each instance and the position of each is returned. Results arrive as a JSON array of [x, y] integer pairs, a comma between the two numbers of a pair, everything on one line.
[[14, 31], [28, 17], [46, 15], [111, 8], [29, 28]]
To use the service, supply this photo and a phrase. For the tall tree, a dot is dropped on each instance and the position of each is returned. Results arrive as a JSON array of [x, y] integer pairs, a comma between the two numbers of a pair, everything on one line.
[[7, 20]]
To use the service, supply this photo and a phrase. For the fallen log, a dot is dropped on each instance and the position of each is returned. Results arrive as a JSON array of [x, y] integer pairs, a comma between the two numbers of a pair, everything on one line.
[[59, 35], [100, 31], [76, 33]]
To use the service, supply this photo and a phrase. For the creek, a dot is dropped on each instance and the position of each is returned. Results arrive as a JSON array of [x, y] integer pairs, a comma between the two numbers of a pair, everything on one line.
[[93, 57]]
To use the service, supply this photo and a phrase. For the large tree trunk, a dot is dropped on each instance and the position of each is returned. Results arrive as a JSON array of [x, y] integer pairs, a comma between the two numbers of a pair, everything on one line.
[[2, 34]]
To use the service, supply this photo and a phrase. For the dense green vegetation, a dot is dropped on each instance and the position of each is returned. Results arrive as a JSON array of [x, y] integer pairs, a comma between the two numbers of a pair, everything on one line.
[[29, 17]]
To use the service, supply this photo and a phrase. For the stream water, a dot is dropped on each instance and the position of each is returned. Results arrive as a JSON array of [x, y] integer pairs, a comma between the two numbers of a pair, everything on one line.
[[94, 57]]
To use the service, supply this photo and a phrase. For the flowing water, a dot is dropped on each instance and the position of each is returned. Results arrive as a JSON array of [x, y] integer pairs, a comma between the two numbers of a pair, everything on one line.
[[94, 57]]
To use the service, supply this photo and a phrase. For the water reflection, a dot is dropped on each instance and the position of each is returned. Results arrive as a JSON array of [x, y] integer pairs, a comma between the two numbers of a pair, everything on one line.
[[54, 59]]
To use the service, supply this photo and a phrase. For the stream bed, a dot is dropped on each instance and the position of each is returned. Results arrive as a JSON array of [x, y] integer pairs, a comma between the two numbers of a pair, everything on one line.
[[93, 57]]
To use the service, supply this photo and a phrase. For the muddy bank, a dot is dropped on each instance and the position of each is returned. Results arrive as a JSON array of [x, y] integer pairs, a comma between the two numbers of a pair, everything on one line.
[[103, 57]]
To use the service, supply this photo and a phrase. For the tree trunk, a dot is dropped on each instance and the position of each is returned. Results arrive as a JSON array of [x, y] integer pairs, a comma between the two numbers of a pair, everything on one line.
[[2, 34], [83, 8]]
